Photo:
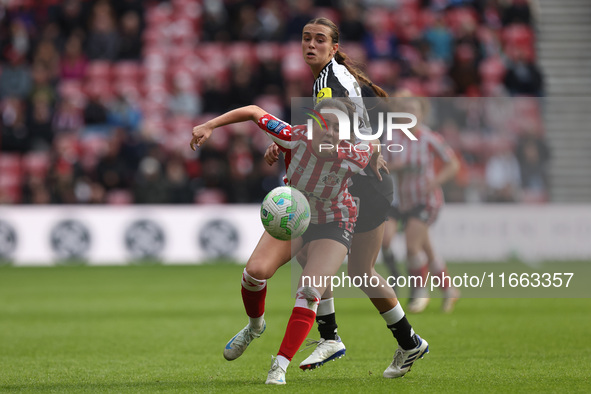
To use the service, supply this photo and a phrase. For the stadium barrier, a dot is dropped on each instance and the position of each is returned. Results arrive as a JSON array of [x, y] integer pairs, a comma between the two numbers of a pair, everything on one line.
[[102, 235]]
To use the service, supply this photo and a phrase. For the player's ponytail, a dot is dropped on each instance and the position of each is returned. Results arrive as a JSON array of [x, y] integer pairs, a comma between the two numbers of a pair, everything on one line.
[[342, 58]]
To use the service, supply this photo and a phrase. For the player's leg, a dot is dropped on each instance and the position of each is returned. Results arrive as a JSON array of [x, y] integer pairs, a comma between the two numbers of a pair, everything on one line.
[[411, 347], [268, 256], [438, 267], [416, 231], [325, 316], [390, 231], [323, 261]]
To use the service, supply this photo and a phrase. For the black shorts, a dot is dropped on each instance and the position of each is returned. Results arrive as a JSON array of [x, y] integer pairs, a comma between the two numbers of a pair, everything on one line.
[[423, 212], [373, 198], [338, 231]]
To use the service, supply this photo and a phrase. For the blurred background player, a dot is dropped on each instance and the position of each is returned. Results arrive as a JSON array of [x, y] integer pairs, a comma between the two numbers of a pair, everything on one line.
[[421, 198]]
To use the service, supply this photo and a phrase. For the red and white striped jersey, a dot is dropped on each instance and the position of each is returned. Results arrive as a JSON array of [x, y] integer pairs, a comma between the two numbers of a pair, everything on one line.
[[322, 180], [418, 167]]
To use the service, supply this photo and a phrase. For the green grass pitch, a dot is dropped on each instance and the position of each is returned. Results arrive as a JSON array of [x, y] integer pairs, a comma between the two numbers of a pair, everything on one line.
[[139, 329]]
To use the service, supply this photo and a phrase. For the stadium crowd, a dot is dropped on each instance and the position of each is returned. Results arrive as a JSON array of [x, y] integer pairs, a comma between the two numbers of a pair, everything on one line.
[[98, 97]]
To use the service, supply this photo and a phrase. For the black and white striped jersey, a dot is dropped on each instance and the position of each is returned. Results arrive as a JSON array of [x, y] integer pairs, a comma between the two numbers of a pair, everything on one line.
[[336, 81]]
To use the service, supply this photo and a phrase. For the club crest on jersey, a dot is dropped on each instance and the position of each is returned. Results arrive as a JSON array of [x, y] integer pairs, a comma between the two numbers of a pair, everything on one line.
[[300, 169], [331, 179]]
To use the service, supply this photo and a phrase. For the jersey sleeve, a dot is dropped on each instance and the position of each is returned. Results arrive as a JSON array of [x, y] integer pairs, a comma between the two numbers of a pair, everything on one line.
[[440, 147], [356, 155], [282, 133]]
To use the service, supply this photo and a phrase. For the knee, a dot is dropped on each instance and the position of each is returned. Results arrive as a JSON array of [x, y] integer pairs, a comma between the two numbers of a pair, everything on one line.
[[259, 269]]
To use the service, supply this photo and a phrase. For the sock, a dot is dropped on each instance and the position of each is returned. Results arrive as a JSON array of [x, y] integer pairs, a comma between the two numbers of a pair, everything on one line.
[[283, 362], [326, 319], [438, 268], [299, 325], [401, 329], [300, 322], [254, 292], [417, 267]]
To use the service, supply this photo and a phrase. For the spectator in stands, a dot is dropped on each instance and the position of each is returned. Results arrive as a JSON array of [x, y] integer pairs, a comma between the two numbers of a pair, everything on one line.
[[533, 155], [103, 39], [380, 42], [502, 174], [73, 63], [123, 112], [42, 83], [300, 13], [439, 40], [272, 21], [68, 118], [464, 70], [523, 77], [111, 171], [248, 28], [95, 113], [15, 136], [46, 55], [130, 39], [351, 26], [71, 17], [516, 11], [39, 121], [184, 100], [149, 186], [177, 182], [15, 79]]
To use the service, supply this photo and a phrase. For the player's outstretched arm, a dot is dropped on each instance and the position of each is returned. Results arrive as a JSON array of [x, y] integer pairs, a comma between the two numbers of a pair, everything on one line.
[[202, 132]]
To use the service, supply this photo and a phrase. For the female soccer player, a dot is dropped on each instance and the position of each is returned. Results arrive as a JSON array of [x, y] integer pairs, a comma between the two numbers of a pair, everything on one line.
[[421, 198], [334, 77], [327, 239]]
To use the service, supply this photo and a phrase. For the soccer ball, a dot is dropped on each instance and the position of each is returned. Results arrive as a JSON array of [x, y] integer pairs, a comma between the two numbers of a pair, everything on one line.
[[285, 213]]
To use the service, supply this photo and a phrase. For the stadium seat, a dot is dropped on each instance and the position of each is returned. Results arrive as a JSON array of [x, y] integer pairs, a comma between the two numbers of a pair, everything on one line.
[[98, 70], [36, 163]]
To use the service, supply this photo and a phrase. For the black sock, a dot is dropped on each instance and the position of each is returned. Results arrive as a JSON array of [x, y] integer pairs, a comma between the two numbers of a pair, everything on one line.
[[404, 334], [327, 326]]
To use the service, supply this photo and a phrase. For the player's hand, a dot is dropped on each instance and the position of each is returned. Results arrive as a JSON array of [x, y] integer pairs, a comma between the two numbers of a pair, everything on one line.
[[201, 133], [377, 163], [272, 154]]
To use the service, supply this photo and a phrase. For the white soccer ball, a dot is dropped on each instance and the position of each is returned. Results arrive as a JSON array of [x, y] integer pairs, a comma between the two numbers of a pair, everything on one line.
[[285, 213]]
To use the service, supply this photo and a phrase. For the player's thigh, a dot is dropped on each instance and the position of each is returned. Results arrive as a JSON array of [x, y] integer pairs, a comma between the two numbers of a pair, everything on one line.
[[325, 256], [416, 230], [270, 254], [365, 248]]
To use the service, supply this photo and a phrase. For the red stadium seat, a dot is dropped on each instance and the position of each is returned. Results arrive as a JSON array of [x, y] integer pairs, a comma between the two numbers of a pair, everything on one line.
[[127, 71], [119, 197], [36, 163], [98, 69]]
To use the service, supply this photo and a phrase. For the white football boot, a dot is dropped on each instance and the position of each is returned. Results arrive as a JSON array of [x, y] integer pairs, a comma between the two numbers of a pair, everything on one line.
[[403, 359], [326, 350], [276, 373], [238, 344]]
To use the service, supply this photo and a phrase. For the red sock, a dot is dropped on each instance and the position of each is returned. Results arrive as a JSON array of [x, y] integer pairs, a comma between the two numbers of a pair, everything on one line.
[[445, 283], [254, 301], [422, 272], [299, 326]]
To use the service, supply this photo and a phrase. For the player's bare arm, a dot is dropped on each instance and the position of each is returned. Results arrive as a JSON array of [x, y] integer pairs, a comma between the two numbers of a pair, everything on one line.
[[202, 132]]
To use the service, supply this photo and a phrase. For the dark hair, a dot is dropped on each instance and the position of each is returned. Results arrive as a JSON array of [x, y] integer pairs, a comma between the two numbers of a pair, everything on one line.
[[343, 59]]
